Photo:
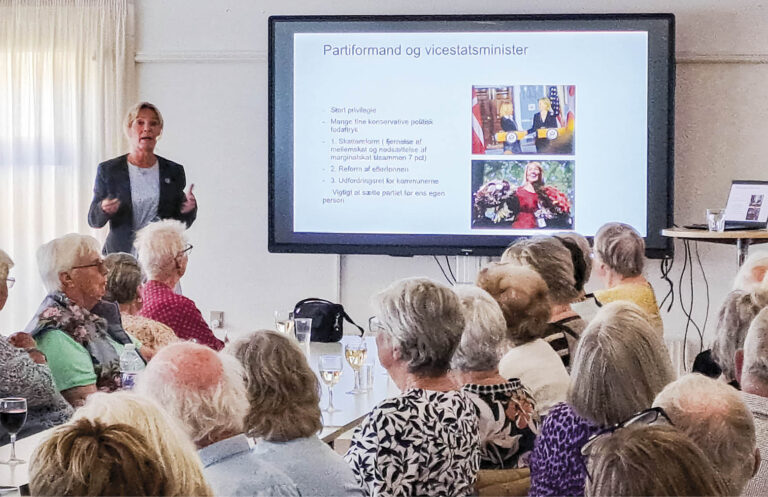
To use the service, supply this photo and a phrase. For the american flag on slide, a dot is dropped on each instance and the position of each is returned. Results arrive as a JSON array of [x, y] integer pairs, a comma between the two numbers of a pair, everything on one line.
[[554, 98], [478, 145]]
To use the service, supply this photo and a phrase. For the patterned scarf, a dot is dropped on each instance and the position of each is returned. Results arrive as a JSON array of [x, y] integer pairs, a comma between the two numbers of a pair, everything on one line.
[[58, 312]]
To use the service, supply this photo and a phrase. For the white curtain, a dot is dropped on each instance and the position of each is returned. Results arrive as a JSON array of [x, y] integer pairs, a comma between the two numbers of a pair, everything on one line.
[[66, 77]]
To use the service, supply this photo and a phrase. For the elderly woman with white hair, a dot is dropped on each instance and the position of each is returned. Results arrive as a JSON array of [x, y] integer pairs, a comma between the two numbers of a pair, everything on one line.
[[164, 255], [619, 259], [284, 416], [424, 441], [749, 295], [25, 374], [619, 368], [507, 418], [560, 263], [81, 336], [206, 392], [523, 297]]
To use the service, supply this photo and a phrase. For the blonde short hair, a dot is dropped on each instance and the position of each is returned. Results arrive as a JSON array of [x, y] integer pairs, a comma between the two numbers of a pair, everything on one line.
[[621, 248], [283, 391], [87, 457], [547, 101], [506, 108], [484, 339], [549, 257], [202, 389], [60, 254], [522, 296], [177, 454], [130, 116], [649, 460], [6, 263], [621, 364], [158, 245]]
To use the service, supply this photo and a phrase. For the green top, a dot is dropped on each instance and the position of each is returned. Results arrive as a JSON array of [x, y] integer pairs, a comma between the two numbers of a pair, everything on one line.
[[69, 362]]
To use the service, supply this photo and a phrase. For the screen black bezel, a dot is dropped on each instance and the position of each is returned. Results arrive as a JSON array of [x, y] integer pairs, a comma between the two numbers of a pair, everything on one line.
[[661, 82]]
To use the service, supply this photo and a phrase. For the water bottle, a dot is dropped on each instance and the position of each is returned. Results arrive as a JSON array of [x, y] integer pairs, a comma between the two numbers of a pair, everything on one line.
[[130, 365]]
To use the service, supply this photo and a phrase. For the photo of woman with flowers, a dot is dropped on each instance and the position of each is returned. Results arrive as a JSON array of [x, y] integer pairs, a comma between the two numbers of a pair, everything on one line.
[[523, 194]]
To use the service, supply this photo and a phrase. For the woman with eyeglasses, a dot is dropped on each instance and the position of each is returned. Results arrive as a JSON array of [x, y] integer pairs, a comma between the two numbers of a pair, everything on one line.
[[139, 187], [164, 253], [620, 365], [81, 336], [25, 374], [124, 281]]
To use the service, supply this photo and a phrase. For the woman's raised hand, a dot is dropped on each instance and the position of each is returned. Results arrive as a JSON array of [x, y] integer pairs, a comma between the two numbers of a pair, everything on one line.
[[190, 203], [110, 205]]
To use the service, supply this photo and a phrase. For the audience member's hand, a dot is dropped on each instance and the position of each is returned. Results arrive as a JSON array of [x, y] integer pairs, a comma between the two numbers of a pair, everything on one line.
[[110, 205], [22, 340], [190, 203], [37, 356]]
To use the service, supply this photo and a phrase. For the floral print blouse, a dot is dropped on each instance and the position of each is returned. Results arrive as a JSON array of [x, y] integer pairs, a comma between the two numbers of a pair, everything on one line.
[[423, 442], [507, 422]]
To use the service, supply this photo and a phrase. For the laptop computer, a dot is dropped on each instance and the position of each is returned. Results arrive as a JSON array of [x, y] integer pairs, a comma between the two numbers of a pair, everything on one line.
[[747, 206]]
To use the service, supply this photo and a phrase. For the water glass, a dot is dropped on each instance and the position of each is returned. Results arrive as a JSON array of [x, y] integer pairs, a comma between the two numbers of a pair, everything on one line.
[[13, 415], [303, 330], [366, 375], [716, 219], [284, 322]]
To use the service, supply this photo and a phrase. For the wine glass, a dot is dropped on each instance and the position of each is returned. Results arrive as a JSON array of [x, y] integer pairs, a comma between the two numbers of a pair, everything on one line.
[[284, 322], [330, 372], [13, 415], [356, 354]]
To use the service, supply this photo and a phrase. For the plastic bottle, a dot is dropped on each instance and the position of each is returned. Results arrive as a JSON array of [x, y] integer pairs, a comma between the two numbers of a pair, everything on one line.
[[130, 365]]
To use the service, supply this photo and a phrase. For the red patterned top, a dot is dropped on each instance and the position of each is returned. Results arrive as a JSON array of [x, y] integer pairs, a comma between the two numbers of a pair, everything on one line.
[[179, 313], [529, 203]]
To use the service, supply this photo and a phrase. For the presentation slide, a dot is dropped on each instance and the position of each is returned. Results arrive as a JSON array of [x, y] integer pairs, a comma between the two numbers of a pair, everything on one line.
[[486, 133]]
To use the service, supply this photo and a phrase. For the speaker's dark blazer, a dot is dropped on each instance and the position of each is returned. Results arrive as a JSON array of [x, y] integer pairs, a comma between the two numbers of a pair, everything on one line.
[[112, 180]]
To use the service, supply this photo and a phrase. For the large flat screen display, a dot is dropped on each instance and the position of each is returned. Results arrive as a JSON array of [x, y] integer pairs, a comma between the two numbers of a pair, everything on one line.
[[456, 134]]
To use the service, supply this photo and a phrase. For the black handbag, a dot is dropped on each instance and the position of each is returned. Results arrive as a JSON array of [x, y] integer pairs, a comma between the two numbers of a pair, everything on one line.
[[327, 319]]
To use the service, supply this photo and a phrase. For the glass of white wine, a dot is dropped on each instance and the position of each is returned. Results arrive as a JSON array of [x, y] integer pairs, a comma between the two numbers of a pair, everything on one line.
[[330, 372], [356, 353], [284, 322]]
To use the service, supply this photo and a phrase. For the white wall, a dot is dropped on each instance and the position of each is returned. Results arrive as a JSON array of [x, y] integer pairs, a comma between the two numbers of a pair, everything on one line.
[[205, 64]]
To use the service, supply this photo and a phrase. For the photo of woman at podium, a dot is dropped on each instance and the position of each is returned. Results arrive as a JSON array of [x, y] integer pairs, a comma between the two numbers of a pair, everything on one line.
[[543, 120]]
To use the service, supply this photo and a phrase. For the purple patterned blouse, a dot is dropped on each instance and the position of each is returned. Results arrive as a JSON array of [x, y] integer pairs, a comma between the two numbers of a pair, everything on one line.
[[557, 466]]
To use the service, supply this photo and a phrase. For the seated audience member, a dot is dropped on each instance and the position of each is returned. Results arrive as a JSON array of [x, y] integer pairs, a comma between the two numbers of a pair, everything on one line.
[[752, 373], [507, 420], [124, 279], [524, 301], [88, 457], [748, 296], [715, 418], [80, 335], [649, 460], [24, 374], [424, 441], [619, 259], [206, 392], [284, 416], [560, 263], [583, 252], [164, 254], [174, 450], [619, 367]]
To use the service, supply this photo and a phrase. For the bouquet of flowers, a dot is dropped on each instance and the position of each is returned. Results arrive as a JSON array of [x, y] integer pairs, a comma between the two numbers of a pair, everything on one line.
[[559, 200], [490, 201]]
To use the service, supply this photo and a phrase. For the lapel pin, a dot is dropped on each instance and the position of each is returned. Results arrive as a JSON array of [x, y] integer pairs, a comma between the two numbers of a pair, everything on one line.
[[167, 181]]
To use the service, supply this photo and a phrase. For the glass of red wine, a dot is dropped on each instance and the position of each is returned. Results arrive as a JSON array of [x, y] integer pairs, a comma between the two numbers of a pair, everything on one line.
[[13, 415]]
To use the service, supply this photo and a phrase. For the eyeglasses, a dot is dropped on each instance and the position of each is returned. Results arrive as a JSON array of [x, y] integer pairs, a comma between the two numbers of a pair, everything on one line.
[[98, 264], [375, 325], [645, 417], [186, 250], [9, 282]]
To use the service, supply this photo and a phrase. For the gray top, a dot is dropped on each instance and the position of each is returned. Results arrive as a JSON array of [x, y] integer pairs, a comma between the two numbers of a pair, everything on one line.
[[145, 193], [23, 377], [758, 485], [232, 468], [312, 465]]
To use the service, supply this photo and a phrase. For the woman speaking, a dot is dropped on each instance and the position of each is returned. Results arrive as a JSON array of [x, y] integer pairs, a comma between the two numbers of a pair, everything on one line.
[[545, 118], [135, 189]]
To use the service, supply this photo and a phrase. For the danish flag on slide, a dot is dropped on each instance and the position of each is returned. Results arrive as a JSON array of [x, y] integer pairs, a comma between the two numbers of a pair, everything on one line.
[[478, 146]]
